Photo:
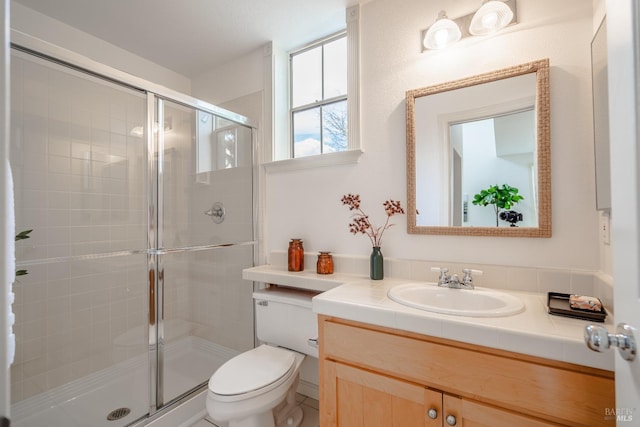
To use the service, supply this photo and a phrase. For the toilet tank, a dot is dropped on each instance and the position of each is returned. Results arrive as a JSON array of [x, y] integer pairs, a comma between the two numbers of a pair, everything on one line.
[[284, 318]]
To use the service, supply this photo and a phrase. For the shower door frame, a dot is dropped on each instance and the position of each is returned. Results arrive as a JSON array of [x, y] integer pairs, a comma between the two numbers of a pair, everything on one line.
[[155, 94]]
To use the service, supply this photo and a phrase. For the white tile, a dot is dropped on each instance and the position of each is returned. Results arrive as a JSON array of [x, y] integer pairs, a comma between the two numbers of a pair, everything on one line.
[[57, 200], [418, 324], [491, 277], [522, 279], [34, 180], [33, 199], [421, 270], [59, 164], [59, 182], [60, 147], [519, 342], [554, 281], [311, 416], [479, 334], [577, 352], [80, 130], [398, 269], [582, 283], [81, 150]]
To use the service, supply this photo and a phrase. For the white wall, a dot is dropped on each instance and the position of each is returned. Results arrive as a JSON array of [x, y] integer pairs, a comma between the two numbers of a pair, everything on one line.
[[42, 27], [307, 204], [391, 64], [232, 80]]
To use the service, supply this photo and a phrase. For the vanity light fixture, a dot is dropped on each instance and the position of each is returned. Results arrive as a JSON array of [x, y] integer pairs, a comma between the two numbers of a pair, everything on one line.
[[444, 32], [491, 17]]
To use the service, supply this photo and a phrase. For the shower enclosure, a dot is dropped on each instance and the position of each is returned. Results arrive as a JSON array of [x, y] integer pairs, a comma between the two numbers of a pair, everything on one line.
[[142, 211]]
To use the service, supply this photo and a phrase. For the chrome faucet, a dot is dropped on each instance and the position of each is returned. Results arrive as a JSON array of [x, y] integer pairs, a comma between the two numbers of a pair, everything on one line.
[[453, 281]]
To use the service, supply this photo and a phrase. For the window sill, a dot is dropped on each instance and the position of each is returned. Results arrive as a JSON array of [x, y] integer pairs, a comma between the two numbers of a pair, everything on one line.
[[320, 160]]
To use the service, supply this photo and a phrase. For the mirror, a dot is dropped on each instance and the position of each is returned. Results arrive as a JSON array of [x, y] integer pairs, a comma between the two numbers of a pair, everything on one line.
[[478, 155], [601, 117]]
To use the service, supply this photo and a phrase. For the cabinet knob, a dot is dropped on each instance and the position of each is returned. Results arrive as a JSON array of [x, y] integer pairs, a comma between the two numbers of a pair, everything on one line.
[[451, 420], [432, 413]]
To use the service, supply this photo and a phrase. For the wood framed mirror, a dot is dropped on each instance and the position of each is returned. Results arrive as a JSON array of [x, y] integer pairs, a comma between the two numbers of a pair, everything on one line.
[[479, 156]]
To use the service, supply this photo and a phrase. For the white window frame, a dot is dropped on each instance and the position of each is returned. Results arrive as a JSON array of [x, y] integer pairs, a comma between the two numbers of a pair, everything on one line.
[[318, 44], [277, 153]]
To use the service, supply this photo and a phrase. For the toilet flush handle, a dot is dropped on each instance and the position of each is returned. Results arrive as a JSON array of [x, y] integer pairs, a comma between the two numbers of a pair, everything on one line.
[[313, 342]]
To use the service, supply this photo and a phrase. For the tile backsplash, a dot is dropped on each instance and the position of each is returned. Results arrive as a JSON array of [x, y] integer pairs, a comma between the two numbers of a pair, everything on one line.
[[527, 279]]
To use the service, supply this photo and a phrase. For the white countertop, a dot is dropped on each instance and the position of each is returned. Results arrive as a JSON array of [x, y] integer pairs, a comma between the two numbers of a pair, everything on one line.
[[302, 280], [533, 332]]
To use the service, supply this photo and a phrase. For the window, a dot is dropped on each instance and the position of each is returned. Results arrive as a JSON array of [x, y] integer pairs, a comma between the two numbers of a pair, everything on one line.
[[303, 101], [318, 97]]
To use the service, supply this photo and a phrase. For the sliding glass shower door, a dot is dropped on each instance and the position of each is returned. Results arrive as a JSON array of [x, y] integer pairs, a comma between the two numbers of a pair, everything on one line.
[[81, 310], [204, 240], [141, 210]]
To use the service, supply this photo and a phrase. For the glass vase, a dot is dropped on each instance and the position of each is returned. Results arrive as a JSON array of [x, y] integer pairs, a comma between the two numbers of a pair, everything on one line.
[[376, 269]]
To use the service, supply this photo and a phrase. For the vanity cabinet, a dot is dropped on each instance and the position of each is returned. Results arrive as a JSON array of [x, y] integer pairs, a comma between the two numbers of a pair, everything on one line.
[[374, 376]]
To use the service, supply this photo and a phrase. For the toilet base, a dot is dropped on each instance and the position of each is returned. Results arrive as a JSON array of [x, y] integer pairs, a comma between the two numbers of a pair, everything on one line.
[[293, 420], [285, 414], [288, 413]]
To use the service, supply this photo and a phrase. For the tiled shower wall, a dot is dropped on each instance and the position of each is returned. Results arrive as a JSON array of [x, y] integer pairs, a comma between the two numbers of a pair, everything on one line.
[[79, 165], [80, 185]]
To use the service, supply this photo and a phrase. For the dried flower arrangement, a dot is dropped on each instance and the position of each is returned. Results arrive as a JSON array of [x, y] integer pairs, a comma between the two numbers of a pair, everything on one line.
[[361, 222]]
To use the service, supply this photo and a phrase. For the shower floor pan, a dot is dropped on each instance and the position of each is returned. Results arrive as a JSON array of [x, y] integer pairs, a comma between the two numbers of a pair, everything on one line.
[[122, 390]]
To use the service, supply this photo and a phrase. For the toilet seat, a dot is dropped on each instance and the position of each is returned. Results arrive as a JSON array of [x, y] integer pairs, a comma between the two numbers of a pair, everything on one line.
[[237, 379]]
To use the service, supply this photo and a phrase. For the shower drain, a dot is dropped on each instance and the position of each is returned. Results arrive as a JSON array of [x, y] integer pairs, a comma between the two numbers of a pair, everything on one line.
[[117, 414]]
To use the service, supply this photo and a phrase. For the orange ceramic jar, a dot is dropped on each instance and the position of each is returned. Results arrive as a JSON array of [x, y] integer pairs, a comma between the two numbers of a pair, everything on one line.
[[296, 255], [325, 263]]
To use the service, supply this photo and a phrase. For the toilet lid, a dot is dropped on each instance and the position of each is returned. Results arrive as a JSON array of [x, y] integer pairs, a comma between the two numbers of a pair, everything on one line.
[[252, 370]]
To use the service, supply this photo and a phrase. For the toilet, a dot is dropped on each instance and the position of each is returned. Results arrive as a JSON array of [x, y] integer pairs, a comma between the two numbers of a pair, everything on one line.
[[258, 387]]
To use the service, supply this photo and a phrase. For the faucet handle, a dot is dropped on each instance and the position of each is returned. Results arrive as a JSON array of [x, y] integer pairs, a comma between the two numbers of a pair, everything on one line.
[[467, 279], [443, 279]]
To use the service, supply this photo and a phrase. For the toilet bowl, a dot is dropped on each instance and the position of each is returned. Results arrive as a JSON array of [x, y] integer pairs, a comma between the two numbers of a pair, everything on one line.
[[258, 387]]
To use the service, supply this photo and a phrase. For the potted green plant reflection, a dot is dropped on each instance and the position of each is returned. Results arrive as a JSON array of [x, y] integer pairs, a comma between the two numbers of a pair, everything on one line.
[[21, 236], [501, 197]]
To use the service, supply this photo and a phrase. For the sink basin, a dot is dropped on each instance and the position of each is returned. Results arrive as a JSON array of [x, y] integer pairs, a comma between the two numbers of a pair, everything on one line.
[[479, 302]]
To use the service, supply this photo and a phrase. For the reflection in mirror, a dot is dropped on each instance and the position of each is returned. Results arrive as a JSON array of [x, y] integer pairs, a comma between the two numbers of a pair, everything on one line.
[[478, 155], [494, 150]]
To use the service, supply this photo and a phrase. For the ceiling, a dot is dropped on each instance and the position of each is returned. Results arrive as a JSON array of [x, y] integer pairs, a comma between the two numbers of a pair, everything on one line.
[[193, 36]]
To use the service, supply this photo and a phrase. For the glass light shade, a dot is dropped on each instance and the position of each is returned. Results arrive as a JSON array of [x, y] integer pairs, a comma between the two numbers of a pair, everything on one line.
[[492, 16], [444, 32]]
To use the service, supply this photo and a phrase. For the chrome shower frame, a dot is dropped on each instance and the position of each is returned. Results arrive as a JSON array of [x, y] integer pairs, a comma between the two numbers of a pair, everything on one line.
[[155, 95]]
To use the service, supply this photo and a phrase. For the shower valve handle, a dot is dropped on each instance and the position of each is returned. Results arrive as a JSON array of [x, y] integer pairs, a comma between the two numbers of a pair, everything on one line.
[[217, 212]]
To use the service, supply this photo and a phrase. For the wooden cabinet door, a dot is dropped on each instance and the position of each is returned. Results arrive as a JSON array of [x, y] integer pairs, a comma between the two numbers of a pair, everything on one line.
[[352, 397], [467, 413]]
